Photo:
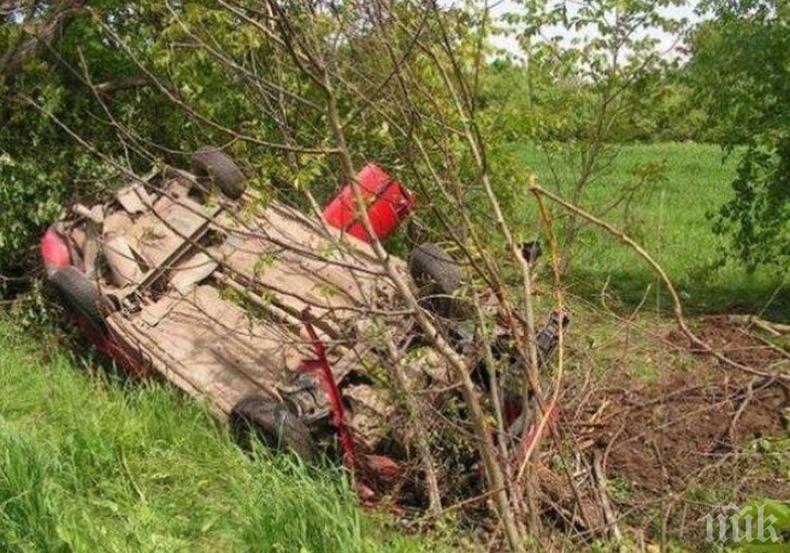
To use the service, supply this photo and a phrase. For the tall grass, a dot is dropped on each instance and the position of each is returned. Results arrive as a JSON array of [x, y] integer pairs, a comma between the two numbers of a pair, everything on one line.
[[671, 219], [90, 463]]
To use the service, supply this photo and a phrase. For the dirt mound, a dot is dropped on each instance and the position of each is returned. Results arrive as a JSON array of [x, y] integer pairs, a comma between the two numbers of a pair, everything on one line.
[[676, 447], [666, 434], [730, 337]]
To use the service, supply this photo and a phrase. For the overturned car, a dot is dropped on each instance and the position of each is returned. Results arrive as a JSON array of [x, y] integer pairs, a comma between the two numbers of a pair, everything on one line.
[[272, 317]]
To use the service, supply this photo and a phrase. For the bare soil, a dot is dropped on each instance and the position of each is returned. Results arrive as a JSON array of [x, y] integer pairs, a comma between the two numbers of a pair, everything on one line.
[[678, 446]]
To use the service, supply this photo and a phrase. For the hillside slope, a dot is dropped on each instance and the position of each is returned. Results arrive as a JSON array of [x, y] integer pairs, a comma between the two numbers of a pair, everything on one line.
[[89, 463]]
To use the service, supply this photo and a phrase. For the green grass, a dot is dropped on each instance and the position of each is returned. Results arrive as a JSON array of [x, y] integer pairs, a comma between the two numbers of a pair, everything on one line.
[[671, 221], [90, 464]]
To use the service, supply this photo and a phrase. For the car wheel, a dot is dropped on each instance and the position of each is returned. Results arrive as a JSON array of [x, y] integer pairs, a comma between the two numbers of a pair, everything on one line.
[[273, 424], [80, 295], [215, 164], [438, 277]]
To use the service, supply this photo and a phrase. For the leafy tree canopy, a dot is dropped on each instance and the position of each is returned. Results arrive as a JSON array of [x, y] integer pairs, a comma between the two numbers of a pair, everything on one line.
[[740, 70]]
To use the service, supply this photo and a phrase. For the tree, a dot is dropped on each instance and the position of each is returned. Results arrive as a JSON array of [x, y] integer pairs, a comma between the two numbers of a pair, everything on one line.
[[740, 69], [592, 70]]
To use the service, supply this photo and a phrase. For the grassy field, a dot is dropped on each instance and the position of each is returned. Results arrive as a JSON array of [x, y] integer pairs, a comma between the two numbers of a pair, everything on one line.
[[90, 464], [671, 221]]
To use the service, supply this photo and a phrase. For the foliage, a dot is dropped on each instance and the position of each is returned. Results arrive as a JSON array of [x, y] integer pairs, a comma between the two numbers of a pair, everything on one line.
[[194, 73], [88, 463], [580, 98], [613, 60], [151, 82], [87, 81], [740, 70]]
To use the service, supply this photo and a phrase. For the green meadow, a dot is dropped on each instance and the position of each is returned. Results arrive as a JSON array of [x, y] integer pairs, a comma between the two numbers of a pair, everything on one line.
[[671, 219]]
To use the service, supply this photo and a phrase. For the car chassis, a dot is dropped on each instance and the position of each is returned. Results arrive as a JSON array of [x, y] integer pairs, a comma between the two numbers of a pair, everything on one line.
[[269, 315]]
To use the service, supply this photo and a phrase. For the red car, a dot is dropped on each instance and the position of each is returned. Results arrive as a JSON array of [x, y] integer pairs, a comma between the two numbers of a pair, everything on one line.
[[270, 316]]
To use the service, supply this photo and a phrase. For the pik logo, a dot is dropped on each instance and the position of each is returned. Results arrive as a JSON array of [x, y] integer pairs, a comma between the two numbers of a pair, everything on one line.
[[749, 525]]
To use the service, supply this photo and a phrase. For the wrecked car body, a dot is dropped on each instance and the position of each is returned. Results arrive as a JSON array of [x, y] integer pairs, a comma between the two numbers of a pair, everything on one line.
[[268, 315]]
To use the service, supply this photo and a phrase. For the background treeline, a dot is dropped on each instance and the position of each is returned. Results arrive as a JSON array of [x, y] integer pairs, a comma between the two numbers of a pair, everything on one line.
[[150, 69], [665, 109]]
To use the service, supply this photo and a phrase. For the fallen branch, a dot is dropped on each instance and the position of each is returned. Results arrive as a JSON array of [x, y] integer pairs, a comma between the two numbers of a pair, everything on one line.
[[774, 329], [606, 505], [109, 87], [677, 306]]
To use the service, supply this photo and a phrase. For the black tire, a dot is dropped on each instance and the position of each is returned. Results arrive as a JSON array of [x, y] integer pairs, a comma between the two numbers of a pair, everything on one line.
[[215, 164], [438, 277], [80, 295], [273, 424], [547, 338]]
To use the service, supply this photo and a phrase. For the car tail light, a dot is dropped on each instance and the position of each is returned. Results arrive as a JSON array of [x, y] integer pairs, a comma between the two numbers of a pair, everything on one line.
[[54, 250], [388, 201]]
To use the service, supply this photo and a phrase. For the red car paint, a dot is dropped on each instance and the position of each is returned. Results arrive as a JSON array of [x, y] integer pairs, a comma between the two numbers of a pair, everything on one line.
[[377, 466], [320, 366], [512, 411], [109, 346], [56, 255], [54, 250], [389, 202]]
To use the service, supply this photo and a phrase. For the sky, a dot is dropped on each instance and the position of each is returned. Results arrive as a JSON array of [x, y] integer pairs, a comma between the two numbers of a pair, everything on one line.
[[667, 42]]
